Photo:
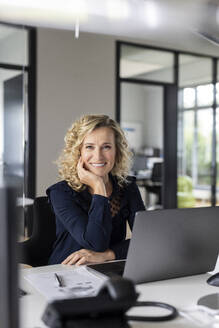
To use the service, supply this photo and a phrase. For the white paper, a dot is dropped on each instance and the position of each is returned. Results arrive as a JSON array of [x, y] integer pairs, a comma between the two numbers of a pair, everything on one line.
[[201, 316], [77, 282]]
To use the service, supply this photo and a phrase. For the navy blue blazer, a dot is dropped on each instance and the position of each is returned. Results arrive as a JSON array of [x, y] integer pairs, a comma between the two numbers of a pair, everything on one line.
[[85, 221]]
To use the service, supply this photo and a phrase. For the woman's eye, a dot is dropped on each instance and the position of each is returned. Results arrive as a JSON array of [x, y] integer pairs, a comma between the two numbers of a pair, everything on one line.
[[107, 147], [89, 147]]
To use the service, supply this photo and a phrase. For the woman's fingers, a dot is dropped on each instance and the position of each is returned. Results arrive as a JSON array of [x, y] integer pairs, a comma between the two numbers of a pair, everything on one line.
[[76, 258], [71, 258], [66, 260], [82, 172], [82, 260], [84, 256], [79, 165]]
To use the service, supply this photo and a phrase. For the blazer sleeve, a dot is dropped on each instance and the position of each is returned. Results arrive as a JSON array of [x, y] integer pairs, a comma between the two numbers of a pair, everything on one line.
[[91, 230], [135, 204], [121, 249]]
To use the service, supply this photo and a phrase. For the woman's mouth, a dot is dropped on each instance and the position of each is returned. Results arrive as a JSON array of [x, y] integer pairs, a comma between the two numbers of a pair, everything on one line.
[[98, 164]]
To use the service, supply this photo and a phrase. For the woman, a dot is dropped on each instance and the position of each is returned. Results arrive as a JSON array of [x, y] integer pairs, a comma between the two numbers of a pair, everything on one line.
[[96, 197]]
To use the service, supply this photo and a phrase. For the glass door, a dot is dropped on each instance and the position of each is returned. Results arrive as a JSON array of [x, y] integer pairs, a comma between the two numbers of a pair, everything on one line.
[[141, 112]]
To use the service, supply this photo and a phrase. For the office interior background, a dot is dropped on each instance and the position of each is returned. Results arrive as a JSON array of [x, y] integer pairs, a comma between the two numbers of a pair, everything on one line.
[[152, 65]]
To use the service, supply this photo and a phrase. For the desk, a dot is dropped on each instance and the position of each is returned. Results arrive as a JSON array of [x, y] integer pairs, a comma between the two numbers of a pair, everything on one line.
[[180, 292]]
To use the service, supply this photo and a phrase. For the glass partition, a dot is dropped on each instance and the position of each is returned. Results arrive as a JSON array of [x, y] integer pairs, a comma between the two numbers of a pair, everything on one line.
[[141, 111], [217, 131], [146, 64], [141, 66], [194, 70], [218, 70], [13, 45], [13, 110], [217, 93]]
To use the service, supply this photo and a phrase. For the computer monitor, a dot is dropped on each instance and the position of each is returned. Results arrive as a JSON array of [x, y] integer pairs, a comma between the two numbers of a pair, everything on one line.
[[8, 254], [139, 163]]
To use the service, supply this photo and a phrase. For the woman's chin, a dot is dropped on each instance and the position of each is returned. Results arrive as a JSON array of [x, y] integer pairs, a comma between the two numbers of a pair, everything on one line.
[[100, 172]]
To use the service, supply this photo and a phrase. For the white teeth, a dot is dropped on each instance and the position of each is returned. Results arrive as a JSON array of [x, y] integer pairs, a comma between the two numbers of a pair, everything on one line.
[[98, 165]]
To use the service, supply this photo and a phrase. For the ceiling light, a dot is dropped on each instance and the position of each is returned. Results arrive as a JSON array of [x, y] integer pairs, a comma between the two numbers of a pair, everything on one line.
[[150, 13], [77, 8], [77, 29], [118, 9]]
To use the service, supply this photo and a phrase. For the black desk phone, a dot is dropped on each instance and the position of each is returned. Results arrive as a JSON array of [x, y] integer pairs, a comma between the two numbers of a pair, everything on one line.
[[115, 297], [107, 309]]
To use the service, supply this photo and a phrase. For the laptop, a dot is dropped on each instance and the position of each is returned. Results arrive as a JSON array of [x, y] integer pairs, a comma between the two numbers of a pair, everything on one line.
[[168, 244]]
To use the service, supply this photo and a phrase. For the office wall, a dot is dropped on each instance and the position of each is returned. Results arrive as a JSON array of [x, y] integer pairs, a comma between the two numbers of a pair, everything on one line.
[[143, 104], [74, 77], [153, 117]]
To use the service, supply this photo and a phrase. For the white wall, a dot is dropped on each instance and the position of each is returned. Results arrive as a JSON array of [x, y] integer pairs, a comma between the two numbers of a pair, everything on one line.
[[153, 117], [144, 105], [74, 77]]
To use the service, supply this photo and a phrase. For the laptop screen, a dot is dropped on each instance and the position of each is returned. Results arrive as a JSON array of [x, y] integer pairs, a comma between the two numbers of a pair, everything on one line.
[[173, 243], [169, 244]]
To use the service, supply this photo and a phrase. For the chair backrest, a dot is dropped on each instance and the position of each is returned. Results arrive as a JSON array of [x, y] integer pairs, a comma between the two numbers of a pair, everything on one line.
[[36, 250]]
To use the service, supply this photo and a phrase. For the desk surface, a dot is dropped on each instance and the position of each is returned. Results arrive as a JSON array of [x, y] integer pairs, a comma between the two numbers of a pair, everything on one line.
[[180, 292]]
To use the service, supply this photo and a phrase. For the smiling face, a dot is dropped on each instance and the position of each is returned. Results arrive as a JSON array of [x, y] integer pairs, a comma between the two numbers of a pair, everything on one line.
[[98, 151]]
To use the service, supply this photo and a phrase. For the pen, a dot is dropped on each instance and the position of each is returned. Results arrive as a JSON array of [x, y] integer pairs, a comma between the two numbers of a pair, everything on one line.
[[58, 280], [21, 292]]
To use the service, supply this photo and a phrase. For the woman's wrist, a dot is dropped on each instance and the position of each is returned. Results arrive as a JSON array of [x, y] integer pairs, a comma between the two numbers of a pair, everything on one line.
[[100, 189], [110, 255]]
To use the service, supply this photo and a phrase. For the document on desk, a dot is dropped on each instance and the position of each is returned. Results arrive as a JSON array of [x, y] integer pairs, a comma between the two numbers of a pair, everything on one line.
[[74, 282]]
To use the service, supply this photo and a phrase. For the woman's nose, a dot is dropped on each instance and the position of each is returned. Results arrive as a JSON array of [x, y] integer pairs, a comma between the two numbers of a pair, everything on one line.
[[98, 154]]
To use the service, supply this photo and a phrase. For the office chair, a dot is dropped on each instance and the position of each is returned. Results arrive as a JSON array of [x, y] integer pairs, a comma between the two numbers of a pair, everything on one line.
[[154, 185], [36, 250]]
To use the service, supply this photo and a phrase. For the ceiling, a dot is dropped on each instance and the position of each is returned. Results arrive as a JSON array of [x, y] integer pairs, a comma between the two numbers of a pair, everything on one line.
[[183, 24]]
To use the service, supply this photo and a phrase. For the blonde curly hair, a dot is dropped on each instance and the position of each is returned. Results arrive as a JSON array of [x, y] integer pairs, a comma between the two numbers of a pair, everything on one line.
[[68, 160]]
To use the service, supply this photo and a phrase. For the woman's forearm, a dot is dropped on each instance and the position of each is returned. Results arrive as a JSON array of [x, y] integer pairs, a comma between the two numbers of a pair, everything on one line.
[[109, 255]]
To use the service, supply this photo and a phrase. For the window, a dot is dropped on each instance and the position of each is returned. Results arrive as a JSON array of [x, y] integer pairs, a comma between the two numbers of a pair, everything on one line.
[[195, 159], [190, 85], [146, 64], [205, 95]]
